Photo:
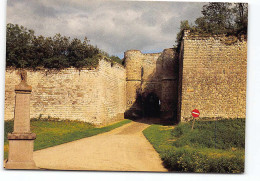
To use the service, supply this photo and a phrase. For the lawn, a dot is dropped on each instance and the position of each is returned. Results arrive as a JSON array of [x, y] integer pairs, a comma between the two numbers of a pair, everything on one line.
[[211, 147], [51, 132]]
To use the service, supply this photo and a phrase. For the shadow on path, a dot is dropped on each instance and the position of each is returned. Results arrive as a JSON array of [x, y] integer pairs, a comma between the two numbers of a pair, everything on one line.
[[151, 121]]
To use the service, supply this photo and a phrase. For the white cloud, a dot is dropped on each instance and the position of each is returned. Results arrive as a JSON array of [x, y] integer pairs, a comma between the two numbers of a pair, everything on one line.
[[113, 26]]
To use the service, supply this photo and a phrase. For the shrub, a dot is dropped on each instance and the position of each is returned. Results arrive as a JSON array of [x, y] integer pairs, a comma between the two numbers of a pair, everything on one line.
[[187, 159]]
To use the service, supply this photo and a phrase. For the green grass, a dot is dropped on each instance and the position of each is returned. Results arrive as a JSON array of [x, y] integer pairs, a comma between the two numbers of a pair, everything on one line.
[[211, 147], [51, 132]]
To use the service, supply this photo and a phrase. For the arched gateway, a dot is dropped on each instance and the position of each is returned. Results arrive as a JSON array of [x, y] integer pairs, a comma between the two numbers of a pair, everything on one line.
[[151, 84], [151, 105]]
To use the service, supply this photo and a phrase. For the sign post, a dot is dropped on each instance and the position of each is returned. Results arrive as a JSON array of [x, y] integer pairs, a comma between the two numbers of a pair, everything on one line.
[[195, 114]]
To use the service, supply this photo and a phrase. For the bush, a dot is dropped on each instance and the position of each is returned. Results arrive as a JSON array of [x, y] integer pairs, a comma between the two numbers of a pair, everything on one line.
[[187, 159]]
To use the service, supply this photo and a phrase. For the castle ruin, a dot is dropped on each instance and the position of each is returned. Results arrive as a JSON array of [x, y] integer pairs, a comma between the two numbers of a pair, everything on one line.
[[207, 73]]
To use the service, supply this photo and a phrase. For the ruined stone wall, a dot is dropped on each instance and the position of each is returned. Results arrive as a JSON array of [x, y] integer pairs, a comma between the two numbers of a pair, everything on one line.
[[213, 77], [96, 96]]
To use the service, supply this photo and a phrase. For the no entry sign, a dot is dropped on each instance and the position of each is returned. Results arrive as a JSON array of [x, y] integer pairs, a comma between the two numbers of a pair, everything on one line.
[[195, 113]]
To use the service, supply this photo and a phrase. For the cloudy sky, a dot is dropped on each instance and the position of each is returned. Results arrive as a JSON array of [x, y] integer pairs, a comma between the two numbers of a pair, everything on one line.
[[114, 26]]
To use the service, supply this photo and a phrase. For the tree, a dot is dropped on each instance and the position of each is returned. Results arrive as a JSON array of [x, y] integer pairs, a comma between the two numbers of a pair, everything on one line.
[[25, 50], [241, 17], [216, 18], [184, 25], [18, 45], [223, 18], [116, 59]]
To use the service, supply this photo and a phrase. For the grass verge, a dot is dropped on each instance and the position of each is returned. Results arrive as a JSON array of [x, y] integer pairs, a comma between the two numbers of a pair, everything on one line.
[[52, 132], [212, 147]]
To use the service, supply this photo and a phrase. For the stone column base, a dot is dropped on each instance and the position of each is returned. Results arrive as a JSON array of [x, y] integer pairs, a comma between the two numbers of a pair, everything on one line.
[[20, 154], [20, 165]]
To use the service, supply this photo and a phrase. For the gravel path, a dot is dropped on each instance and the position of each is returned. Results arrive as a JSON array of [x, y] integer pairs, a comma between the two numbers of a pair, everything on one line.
[[122, 149]]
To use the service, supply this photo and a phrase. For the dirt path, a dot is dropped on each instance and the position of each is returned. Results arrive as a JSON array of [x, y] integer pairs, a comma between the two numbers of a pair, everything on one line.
[[122, 149]]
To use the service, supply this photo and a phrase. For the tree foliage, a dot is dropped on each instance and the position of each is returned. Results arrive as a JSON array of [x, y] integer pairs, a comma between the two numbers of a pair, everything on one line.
[[219, 18], [241, 17], [26, 50], [184, 25], [216, 18]]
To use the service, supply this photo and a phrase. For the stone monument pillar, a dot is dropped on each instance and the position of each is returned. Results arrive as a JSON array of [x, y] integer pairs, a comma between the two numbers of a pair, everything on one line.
[[21, 141]]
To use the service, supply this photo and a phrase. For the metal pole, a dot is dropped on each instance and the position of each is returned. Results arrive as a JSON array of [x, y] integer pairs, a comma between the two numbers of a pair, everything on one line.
[[193, 123], [215, 133]]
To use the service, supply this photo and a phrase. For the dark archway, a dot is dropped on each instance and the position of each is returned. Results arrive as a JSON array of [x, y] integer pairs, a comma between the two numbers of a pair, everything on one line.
[[151, 105]]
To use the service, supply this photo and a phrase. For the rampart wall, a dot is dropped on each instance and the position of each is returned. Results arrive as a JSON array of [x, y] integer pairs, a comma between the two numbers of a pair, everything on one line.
[[96, 96], [212, 77], [208, 73]]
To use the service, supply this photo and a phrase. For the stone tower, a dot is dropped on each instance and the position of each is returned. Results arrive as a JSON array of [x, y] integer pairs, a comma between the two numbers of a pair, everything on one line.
[[169, 83], [133, 81]]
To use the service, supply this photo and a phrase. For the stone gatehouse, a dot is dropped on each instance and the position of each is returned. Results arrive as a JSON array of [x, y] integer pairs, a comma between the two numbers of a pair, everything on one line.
[[207, 73], [151, 84]]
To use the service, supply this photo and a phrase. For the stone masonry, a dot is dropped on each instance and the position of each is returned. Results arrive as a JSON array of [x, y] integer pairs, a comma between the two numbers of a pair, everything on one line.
[[212, 76], [151, 73], [207, 73], [96, 96]]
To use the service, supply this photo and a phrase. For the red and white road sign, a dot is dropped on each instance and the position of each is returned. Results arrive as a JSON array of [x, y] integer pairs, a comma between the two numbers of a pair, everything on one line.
[[195, 113]]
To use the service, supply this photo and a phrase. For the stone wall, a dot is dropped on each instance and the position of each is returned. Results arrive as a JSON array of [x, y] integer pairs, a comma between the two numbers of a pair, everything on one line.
[[151, 73], [212, 77], [209, 74], [169, 83], [96, 96]]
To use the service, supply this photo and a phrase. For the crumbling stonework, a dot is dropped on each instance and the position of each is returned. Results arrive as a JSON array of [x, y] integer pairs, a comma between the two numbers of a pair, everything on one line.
[[212, 76], [96, 96]]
